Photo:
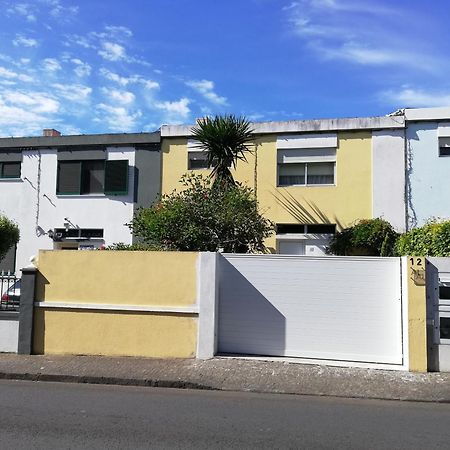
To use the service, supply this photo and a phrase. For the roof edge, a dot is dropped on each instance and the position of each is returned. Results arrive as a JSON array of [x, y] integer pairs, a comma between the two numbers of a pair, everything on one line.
[[303, 126]]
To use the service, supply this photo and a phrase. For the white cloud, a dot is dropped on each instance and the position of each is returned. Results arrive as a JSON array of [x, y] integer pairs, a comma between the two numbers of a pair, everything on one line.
[[9, 74], [206, 88], [124, 81], [112, 31], [21, 40], [122, 97], [82, 69], [38, 102], [118, 118], [51, 65], [112, 51], [22, 9], [175, 111], [408, 97], [58, 11], [363, 32], [118, 29], [82, 41], [73, 92]]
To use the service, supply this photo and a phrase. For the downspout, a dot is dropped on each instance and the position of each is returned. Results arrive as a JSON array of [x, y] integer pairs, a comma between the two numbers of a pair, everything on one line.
[[406, 181], [38, 194]]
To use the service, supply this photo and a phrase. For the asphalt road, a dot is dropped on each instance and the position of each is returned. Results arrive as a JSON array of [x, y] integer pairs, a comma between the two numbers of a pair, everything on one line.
[[74, 416]]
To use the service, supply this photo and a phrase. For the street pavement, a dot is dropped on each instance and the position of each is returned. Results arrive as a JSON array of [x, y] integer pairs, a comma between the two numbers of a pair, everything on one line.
[[230, 374], [50, 415]]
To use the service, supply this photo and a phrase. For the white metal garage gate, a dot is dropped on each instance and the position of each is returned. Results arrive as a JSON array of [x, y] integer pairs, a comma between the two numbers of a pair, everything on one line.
[[340, 309]]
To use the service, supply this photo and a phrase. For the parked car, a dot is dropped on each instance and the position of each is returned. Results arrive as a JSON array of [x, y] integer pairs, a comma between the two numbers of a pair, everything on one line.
[[10, 299]]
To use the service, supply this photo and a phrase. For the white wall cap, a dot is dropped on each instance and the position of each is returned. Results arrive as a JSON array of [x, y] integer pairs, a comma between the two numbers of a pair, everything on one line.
[[305, 126], [428, 113]]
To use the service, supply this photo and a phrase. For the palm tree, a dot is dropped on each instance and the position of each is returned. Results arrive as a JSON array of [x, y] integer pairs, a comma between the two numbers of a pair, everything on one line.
[[227, 139]]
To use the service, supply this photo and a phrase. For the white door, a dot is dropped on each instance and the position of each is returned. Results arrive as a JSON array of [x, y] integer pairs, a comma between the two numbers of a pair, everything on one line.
[[327, 308]]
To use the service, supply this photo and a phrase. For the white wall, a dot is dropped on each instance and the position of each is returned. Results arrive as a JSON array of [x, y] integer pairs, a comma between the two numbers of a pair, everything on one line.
[[9, 332], [388, 201], [20, 201], [427, 174]]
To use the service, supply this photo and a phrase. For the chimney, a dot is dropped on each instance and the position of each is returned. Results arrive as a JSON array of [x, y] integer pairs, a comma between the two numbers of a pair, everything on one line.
[[50, 132]]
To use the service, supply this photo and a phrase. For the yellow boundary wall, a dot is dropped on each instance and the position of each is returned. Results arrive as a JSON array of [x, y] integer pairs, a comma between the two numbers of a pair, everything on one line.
[[116, 303], [417, 314]]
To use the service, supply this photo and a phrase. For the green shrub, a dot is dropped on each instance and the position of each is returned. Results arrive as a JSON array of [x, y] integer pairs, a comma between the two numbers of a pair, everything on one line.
[[136, 247], [9, 235], [372, 237], [204, 217], [432, 239]]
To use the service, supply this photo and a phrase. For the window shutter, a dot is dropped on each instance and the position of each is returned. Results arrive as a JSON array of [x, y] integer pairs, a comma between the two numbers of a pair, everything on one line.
[[116, 177], [69, 178]]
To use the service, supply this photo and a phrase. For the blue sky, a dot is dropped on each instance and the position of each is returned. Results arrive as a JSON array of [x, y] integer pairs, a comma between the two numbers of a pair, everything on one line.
[[115, 66]]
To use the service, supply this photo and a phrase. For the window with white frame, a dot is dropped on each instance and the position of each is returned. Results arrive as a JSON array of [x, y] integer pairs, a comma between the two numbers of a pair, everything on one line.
[[307, 160], [197, 157], [197, 160]]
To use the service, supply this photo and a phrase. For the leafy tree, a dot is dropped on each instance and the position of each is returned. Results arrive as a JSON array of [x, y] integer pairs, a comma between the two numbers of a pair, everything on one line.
[[204, 217], [373, 237], [226, 139], [432, 239], [9, 235]]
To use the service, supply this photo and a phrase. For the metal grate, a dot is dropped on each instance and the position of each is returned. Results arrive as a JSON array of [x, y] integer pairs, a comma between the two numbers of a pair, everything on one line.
[[9, 292]]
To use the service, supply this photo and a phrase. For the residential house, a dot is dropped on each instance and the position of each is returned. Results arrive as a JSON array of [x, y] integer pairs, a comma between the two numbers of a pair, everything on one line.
[[427, 169], [311, 177], [75, 192]]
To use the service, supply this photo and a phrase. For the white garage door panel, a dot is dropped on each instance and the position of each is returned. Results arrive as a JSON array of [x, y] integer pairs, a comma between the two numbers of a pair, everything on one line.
[[323, 308]]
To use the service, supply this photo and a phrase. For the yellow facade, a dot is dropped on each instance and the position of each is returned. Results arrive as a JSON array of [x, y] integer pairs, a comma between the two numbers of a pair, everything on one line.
[[122, 277], [348, 200], [417, 314], [117, 304], [114, 333]]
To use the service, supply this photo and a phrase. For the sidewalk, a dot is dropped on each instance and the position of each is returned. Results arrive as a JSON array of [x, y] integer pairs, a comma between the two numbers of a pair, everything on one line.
[[230, 374]]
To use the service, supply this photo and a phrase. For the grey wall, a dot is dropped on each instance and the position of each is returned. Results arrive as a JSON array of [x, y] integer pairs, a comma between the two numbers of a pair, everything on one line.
[[148, 176], [8, 263]]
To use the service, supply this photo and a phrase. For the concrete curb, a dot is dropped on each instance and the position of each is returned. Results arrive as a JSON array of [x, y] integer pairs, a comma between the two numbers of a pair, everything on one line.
[[175, 384]]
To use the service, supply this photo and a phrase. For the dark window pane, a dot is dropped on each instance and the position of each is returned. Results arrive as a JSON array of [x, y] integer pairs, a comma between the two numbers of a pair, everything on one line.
[[444, 327], [10, 170], [90, 233], [283, 228], [286, 180], [291, 174], [92, 176], [444, 292], [116, 177], [197, 160], [69, 177], [322, 229], [444, 151], [320, 173]]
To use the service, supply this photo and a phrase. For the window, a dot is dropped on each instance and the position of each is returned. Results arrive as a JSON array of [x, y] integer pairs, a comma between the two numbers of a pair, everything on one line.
[[10, 169], [313, 173], [306, 166], [197, 160], [294, 228], [92, 177], [77, 233], [444, 146]]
